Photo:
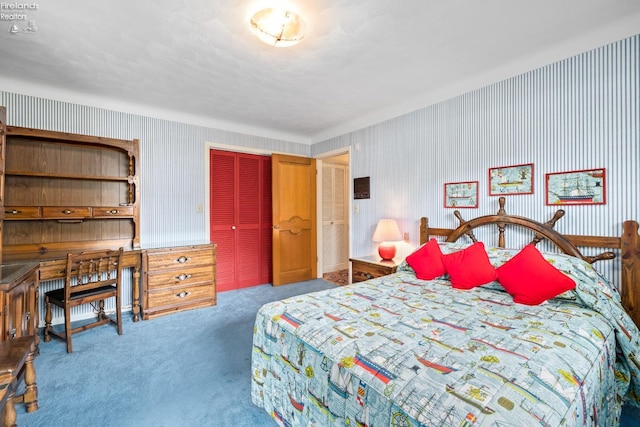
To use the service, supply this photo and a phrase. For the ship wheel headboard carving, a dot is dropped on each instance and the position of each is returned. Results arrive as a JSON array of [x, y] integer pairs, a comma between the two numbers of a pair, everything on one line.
[[542, 231]]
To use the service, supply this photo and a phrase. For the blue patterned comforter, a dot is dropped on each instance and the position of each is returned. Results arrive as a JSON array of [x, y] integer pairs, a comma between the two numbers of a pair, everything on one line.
[[398, 351]]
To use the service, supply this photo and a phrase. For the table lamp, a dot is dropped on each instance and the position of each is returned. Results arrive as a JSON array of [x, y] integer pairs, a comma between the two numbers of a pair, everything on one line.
[[386, 233]]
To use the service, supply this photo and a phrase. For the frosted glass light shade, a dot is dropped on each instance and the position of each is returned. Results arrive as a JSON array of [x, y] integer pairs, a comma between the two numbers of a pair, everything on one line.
[[278, 27]]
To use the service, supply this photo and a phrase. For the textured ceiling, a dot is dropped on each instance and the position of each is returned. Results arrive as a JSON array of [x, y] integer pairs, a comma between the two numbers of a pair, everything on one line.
[[363, 61]]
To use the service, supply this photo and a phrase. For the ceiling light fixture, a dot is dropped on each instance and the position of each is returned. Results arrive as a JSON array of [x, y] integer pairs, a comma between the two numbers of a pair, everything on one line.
[[278, 27]]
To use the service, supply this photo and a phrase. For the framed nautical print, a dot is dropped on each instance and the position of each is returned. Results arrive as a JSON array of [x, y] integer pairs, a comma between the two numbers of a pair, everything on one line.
[[581, 187], [461, 194], [507, 180]]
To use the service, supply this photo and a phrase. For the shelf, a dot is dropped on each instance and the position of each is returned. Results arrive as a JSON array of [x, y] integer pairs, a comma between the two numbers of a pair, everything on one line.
[[66, 192]]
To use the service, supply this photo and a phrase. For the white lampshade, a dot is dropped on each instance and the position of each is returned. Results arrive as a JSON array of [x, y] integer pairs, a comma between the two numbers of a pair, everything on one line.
[[387, 231]]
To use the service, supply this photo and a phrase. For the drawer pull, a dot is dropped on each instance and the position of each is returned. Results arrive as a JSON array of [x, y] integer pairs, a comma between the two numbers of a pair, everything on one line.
[[12, 333], [112, 212], [28, 315], [13, 212], [183, 259], [66, 211], [369, 275], [183, 294], [183, 276]]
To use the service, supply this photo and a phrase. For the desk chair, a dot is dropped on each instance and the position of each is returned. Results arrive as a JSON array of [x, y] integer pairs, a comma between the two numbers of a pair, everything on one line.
[[90, 277]]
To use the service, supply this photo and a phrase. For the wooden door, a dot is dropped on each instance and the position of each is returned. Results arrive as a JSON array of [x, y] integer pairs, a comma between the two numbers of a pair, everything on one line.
[[294, 219]]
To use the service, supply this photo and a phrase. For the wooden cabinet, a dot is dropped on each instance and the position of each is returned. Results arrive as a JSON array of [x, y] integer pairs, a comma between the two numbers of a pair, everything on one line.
[[178, 278], [67, 192], [19, 300], [365, 268]]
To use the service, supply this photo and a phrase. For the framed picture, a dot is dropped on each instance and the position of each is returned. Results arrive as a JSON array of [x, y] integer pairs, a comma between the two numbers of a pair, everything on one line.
[[582, 187], [506, 180], [461, 194], [361, 188]]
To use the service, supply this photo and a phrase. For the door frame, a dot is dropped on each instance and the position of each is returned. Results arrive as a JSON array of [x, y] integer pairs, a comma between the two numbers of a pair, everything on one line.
[[319, 158], [250, 150]]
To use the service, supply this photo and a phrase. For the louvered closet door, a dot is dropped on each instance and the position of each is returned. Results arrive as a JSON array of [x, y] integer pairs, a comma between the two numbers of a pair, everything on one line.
[[334, 217], [241, 218]]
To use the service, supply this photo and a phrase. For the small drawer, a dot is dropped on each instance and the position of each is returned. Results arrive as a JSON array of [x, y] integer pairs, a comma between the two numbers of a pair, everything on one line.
[[182, 258], [181, 277], [22, 212], [361, 276], [362, 270], [66, 212], [100, 212], [180, 296]]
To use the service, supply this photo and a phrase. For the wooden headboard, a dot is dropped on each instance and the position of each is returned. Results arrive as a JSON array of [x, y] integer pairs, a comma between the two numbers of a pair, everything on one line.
[[628, 244]]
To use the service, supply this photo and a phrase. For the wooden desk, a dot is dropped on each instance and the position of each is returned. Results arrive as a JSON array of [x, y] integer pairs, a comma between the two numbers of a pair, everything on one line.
[[15, 355], [55, 270], [201, 253]]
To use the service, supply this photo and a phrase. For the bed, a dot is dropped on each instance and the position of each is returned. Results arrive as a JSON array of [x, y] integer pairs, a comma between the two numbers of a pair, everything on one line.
[[406, 351]]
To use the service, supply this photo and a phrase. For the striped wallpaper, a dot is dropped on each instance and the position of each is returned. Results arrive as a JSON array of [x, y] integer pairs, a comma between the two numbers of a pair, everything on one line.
[[173, 161], [579, 113]]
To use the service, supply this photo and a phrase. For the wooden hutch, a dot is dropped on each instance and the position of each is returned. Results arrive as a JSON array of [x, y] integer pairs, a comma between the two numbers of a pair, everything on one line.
[[63, 192]]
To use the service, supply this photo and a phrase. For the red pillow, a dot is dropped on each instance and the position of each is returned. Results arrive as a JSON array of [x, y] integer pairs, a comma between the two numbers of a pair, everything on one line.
[[469, 267], [530, 279], [427, 261]]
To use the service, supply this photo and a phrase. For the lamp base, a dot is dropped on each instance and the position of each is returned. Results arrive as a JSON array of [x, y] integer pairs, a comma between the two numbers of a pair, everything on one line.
[[387, 251]]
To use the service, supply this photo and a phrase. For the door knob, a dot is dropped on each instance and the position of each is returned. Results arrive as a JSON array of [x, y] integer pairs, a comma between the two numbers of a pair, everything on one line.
[[233, 227]]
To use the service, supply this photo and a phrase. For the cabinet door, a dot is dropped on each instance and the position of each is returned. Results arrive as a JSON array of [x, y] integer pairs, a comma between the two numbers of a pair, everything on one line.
[[20, 309], [16, 311]]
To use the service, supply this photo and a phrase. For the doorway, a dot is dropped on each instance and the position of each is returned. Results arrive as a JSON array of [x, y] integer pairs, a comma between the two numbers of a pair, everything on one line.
[[342, 243], [334, 215]]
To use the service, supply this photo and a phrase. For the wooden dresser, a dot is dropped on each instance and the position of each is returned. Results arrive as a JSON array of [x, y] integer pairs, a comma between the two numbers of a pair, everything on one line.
[[176, 278]]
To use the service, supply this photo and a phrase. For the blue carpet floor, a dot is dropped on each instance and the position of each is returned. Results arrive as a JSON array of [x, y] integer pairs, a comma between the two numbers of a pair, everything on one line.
[[185, 369]]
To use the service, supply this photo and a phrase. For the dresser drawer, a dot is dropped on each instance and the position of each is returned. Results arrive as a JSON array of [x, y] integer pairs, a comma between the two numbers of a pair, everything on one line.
[[66, 212], [178, 278], [181, 276], [179, 259], [22, 212], [114, 211], [179, 296]]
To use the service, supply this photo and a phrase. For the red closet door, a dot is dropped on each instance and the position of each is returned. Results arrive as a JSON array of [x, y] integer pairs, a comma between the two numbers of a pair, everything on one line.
[[240, 221]]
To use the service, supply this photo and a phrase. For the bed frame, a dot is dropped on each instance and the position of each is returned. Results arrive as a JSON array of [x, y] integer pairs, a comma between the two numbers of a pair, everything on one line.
[[628, 244]]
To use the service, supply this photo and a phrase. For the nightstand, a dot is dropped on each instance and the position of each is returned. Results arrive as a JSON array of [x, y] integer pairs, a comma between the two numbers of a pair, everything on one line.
[[370, 267]]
